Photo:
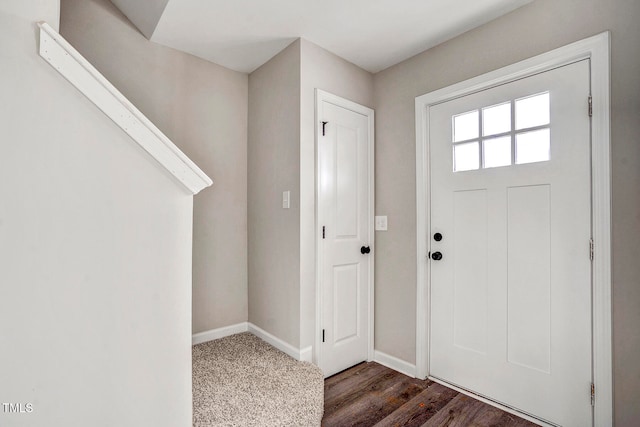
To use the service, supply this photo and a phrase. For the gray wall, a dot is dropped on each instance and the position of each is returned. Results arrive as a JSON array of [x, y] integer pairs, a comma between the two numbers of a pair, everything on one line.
[[95, 256], [536, 28], [144, 13], [202, 107], [274, 167]]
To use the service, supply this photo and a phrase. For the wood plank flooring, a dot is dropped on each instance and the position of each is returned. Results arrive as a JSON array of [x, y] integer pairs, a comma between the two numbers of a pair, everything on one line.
[[370, 394]]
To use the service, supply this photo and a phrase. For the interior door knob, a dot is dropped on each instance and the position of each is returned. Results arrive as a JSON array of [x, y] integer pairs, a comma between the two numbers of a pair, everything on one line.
[[436, 256], [365, 250]]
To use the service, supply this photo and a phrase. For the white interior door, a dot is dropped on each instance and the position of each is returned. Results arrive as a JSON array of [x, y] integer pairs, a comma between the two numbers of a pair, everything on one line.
[[510, 267], [345, 215]]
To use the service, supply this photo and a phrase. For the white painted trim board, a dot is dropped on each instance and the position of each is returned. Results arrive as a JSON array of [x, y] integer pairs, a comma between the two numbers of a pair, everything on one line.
[[80, 73], [597, 50], [394, 363], [303, 354], [214, 334]]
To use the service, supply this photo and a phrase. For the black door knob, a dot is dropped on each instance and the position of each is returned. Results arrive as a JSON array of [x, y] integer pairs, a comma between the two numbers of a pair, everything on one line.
[[365, 250], [437, 237], [436, 256]]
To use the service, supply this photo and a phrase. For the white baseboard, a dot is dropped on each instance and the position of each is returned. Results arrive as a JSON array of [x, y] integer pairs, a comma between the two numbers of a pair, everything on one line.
[[304, 354], [278, 343], [395, 363], [215, 334]]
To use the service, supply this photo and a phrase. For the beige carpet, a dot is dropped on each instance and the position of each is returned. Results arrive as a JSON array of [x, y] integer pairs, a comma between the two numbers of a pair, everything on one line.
[[242, 381]]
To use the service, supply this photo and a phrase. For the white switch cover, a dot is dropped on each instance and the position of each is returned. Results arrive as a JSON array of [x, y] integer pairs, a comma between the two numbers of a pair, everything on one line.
[[381, 223], [286, 199]]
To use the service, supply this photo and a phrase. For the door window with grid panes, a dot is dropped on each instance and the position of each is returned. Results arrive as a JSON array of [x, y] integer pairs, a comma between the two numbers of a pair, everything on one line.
[[510, 133]]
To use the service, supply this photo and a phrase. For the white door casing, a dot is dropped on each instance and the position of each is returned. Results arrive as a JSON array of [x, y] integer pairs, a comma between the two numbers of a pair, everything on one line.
[[597, 50], [345, 227], [511, 295]]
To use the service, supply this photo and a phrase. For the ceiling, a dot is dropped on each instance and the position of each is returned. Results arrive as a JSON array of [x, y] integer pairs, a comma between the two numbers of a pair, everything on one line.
[[373, 34]]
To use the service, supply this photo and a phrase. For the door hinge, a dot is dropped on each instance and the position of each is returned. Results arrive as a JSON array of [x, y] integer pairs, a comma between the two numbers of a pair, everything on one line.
[[590, 106], [323, 232], [323, 335], [593, 394], [591, 249], [324, 124]]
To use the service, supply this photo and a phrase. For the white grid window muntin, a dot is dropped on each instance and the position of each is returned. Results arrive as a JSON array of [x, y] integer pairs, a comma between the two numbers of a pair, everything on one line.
[[510, 133]]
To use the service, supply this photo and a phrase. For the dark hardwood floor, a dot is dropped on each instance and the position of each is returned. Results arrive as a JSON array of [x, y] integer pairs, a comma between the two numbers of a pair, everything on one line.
[[370, 394]]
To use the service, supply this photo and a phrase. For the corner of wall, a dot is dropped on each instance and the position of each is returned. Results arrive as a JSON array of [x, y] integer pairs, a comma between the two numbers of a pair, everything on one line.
[[273, 167]]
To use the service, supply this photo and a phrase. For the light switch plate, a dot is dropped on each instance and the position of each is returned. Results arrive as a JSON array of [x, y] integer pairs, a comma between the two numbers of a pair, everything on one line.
[[381, 223], [286, 199]]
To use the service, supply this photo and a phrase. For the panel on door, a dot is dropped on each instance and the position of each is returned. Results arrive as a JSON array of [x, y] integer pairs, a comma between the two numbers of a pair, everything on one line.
[[511, 196], [344, 213]]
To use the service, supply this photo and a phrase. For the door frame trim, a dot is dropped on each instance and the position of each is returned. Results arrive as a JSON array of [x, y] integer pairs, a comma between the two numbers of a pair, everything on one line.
[[323, 96], [597, 49]]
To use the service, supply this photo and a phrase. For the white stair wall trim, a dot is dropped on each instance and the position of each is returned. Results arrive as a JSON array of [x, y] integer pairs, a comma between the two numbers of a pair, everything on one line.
[[395, 363], [80, 73]]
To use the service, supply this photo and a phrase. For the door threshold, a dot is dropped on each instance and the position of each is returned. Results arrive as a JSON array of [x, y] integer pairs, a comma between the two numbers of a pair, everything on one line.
[[494, 403]]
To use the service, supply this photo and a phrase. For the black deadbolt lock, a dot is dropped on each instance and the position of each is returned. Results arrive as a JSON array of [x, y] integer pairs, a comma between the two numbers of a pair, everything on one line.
[[437, 237]]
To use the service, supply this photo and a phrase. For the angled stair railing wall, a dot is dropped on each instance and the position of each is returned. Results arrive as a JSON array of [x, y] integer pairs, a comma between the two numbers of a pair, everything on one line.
[[81, 74]]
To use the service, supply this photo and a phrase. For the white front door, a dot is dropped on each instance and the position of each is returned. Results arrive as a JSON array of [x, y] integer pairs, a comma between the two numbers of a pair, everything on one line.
[[510, 260], [345, 205]]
